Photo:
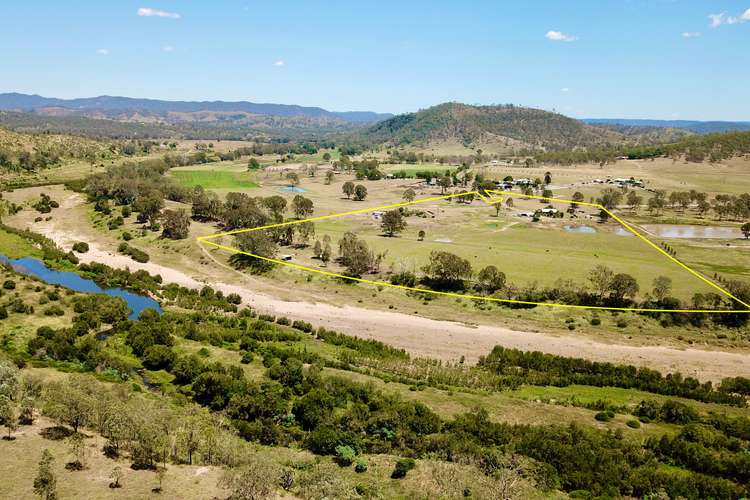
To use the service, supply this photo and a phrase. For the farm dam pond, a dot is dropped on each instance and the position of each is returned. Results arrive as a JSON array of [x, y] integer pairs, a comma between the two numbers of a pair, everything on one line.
[[680, 231]]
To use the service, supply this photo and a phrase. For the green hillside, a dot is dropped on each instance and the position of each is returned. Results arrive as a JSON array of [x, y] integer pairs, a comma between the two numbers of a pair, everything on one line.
[[486, 124]]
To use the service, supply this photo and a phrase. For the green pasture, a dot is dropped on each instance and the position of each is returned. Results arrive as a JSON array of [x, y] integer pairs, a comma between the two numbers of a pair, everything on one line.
[[526, 252], [215, 179], [16, 247]]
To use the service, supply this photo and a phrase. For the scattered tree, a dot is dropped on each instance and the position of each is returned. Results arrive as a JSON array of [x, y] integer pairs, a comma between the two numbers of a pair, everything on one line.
[[634, 201], [662, 288], [490, 279], [446, 270], [293, 179], [116, 476], [45, 482], [393, 222], [360, 192], [348, 188], [302, 207]]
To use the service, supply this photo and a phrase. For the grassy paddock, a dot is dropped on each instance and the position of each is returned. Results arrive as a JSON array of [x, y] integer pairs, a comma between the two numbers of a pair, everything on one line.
[[215, 179]]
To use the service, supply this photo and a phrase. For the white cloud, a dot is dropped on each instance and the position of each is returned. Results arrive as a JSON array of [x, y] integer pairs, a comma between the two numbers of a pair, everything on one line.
[[559, 36], [279, 63], [724, 18], [149, 12], [691, 34], [168, 48], [565, 89], [103, 52]]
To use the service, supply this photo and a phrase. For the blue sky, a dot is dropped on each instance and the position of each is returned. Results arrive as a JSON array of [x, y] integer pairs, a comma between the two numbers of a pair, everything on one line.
[[593, 58]]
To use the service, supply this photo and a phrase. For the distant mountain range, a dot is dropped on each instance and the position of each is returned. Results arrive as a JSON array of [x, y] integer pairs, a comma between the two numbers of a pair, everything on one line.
[[132, 109], [695, 126], [449, 126]]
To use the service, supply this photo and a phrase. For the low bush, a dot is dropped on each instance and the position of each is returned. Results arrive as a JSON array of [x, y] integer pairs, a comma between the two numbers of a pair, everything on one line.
[[134, 253], [345, 455], [403, 466], [81, 247]]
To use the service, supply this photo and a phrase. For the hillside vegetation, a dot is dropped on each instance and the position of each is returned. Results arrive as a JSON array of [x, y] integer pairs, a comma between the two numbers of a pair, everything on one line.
[[693, 148], [28, 152], [485, 124]]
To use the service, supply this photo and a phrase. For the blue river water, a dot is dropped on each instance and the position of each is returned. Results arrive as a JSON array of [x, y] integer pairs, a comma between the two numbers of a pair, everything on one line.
[[34, 267]]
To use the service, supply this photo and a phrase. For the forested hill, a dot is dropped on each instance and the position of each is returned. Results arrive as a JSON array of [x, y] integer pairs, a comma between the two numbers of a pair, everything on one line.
[[472, 125], [118, 107]]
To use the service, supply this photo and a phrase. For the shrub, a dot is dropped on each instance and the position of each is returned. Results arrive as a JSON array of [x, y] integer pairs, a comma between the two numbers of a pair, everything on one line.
[[283, 320], [9, 285], [403, 466], [633, 424], [157, 357], [361, 465], [234, 298], [622, 323], [54, 311], [247, 358], [302, 326], [596, 321], [115, 223], [127, 236], [603, 416], [3, 313], [405, 278], [81, 247], [345, 455], [134, 253]]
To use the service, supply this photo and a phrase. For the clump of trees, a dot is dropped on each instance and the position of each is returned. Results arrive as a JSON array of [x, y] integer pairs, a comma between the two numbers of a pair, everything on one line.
[[538, 368], [45, 204], [134, 253], [175, 224]]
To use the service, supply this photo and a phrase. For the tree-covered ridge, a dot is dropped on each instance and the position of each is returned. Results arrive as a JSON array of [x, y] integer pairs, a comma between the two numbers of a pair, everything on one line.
[[31, 152], [693, 148], [199, 125], [474, 124]]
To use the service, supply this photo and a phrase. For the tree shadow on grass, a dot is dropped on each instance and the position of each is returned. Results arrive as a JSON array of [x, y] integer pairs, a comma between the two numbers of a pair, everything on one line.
[[56, 433]]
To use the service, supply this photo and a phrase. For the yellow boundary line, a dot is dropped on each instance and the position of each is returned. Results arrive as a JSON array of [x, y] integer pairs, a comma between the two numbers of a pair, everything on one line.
[[490, 201]]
